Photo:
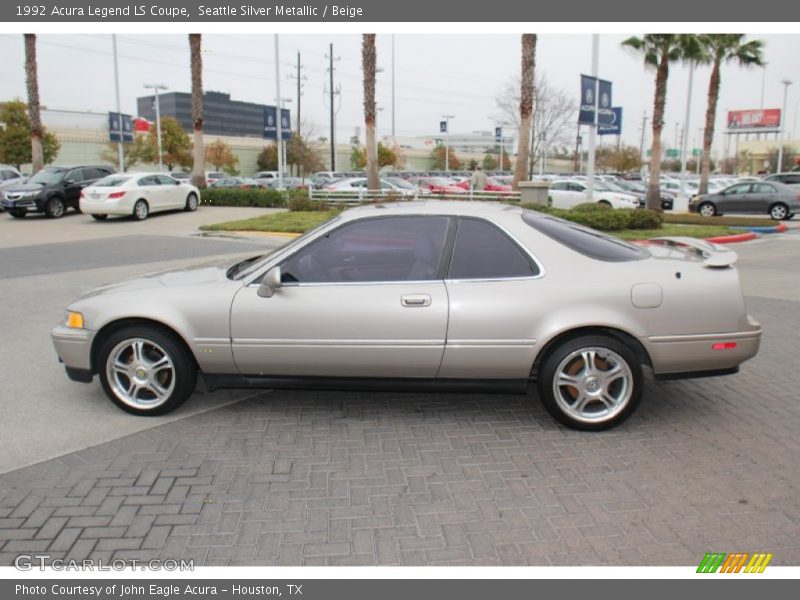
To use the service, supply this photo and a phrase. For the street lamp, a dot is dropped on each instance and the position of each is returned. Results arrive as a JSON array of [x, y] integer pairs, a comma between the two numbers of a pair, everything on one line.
[[786, 83], [284, 102], [447, 140], [156, 87]]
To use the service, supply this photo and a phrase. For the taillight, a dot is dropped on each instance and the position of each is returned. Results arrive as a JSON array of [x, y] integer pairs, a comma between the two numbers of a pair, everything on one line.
[[116, 195], [723, 346]]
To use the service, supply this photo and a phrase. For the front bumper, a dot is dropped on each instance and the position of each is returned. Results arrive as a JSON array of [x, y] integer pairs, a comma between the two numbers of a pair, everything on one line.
[[26, 204], [74, 349], [684, 355]]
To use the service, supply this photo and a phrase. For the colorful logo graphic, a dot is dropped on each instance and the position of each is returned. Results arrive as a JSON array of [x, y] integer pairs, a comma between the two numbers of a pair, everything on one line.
[[737, 562]]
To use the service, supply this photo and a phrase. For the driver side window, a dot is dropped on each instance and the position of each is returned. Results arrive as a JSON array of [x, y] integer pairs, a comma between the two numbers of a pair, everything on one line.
[[373, 250]]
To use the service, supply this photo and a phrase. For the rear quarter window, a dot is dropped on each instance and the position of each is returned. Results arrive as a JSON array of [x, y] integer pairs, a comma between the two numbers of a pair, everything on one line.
[[584, 240]]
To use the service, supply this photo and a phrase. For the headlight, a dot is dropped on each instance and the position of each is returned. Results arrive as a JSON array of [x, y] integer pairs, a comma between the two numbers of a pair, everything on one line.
[[74, 320], [30, 194]]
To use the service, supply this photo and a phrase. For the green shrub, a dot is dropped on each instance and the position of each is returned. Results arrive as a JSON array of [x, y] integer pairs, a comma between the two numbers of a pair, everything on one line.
[[264, 198], [537, 207], [591, 206], [604, 220], [302, 203], [639, 218]]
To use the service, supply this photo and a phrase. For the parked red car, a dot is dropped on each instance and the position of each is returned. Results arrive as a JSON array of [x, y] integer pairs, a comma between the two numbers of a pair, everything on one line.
[[439, 185]]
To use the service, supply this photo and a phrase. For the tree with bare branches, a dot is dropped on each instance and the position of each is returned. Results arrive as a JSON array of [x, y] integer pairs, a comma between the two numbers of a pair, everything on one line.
[[525, 107]]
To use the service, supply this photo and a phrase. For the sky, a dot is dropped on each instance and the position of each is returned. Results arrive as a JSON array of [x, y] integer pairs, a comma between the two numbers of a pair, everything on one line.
[[435, 75]]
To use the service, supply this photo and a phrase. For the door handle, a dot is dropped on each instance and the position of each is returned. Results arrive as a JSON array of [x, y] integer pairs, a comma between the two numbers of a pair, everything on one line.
[[415, 300]]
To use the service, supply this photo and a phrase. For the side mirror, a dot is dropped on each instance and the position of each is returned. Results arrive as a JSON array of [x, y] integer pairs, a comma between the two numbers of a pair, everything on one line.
[[270, 283]]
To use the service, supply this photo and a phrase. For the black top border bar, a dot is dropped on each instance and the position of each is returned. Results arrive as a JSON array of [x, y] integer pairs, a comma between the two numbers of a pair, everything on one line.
[[438, 11]]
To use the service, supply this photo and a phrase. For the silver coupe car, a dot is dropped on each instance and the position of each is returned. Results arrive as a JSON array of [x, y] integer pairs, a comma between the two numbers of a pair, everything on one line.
[[424, 295]]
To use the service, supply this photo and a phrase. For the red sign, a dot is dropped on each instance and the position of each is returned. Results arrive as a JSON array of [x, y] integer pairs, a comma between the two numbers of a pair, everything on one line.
[[742, 120]]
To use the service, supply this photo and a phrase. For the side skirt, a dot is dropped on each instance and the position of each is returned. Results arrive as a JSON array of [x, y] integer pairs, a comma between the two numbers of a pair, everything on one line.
[[502, 386], [696, 374]]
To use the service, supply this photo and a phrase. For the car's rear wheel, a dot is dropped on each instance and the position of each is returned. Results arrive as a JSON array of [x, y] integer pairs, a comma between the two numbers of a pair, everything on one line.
[[146, 371], [55, 208], [191, 202], [604, 203], [707, 209], [778, 211], [99, 217], [591, 382], [141, 210], [18, 214]]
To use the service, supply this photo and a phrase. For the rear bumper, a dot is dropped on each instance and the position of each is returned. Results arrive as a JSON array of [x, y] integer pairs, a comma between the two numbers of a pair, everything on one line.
[[74, 348], [121, 206], [687, 355]]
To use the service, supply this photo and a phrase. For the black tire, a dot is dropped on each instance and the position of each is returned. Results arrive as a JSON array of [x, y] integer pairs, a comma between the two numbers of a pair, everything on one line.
[[191, 203], [55, 208], [711, 209], [608, 351], [778, 211], [789, 217], [141, 210], [182, 377], [18, 214], [99, 217]]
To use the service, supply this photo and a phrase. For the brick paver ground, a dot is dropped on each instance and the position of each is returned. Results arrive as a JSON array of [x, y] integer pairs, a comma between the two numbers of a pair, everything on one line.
[[314, 478]]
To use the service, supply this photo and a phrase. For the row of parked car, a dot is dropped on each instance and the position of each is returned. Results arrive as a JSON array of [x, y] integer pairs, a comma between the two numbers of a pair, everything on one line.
[[98, 191]]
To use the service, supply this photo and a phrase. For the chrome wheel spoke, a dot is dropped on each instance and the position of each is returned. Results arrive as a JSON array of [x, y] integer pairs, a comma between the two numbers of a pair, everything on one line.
[[613, 374], [580, 403], [138, 351], [120, 367], [589, 363], [140, 373], [567, 379], [161, 363]]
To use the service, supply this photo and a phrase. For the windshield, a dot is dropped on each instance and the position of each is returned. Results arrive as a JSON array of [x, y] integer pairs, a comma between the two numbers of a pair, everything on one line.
[[248, 269], [48, 176], [401, 183], [112, 181]]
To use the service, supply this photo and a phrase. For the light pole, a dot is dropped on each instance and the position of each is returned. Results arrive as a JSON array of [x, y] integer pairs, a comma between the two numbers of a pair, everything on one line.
[[393, 132], [447, 140], [593, 127], [120, 146], [278, 109], [786, 83], [284, 102], [685, 137], [156, 87]]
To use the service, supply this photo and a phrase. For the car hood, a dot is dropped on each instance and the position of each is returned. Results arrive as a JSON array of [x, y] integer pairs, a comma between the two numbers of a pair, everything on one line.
[[23, 187], [198, 275]]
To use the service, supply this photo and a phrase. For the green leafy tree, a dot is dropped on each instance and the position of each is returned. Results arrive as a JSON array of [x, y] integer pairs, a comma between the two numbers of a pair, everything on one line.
[[720, 49], [438, 154], [489, 162], [176, 146], [619, 160], [135, 152], [222, 157], [267, 159], [387, 157], [659, 51], [15, 136]]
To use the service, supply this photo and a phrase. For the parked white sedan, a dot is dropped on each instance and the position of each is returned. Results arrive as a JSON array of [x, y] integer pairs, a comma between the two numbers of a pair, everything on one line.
[[137, 195], [569, 193]]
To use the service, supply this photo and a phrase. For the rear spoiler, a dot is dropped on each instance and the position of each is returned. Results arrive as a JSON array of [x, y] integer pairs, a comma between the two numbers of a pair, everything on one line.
[[713, 255]]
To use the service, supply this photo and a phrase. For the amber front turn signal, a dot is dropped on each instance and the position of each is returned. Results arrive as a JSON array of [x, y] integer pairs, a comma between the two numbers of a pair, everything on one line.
[[74, 320]]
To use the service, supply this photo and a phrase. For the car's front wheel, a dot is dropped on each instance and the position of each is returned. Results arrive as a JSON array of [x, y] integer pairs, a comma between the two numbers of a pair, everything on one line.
[[55, 208], [707, 209], [141, 210], [778, 212], [591, 382], [146, 371], [191, 202]]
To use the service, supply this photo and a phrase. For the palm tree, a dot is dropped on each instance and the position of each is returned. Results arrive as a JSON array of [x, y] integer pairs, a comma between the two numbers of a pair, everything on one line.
[[368, 60], [196, 59], [659, 50], [525, 107], [719, 49], [32, 81]]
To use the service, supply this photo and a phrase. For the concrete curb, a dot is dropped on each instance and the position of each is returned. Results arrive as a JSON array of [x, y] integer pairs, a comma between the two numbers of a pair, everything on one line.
[[732, 239], [780, 228]]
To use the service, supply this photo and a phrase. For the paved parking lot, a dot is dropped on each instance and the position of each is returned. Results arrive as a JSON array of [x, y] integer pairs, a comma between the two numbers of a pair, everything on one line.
[[313, 478]]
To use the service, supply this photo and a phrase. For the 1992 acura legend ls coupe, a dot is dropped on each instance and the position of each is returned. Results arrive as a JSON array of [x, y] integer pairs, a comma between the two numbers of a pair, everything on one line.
[[434, 295]]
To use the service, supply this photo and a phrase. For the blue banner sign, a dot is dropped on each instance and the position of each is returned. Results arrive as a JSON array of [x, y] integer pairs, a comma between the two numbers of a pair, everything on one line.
[[271, 125], [120, 127], [615, 126]]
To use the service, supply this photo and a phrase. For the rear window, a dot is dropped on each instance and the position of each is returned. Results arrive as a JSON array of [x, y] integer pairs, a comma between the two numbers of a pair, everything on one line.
[[112, 181], [582, 239]]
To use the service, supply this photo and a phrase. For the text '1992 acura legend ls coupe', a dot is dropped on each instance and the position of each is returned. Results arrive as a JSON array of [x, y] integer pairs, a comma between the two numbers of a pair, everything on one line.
[[424, 295]]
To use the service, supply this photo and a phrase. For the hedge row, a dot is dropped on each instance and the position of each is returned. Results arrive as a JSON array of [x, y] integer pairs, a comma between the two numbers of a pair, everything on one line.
[[264, 198], [604, 218]]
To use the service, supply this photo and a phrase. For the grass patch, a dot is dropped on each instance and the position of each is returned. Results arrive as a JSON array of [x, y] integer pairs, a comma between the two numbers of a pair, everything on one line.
[[670, 229], [694, 219], [283, 222]]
